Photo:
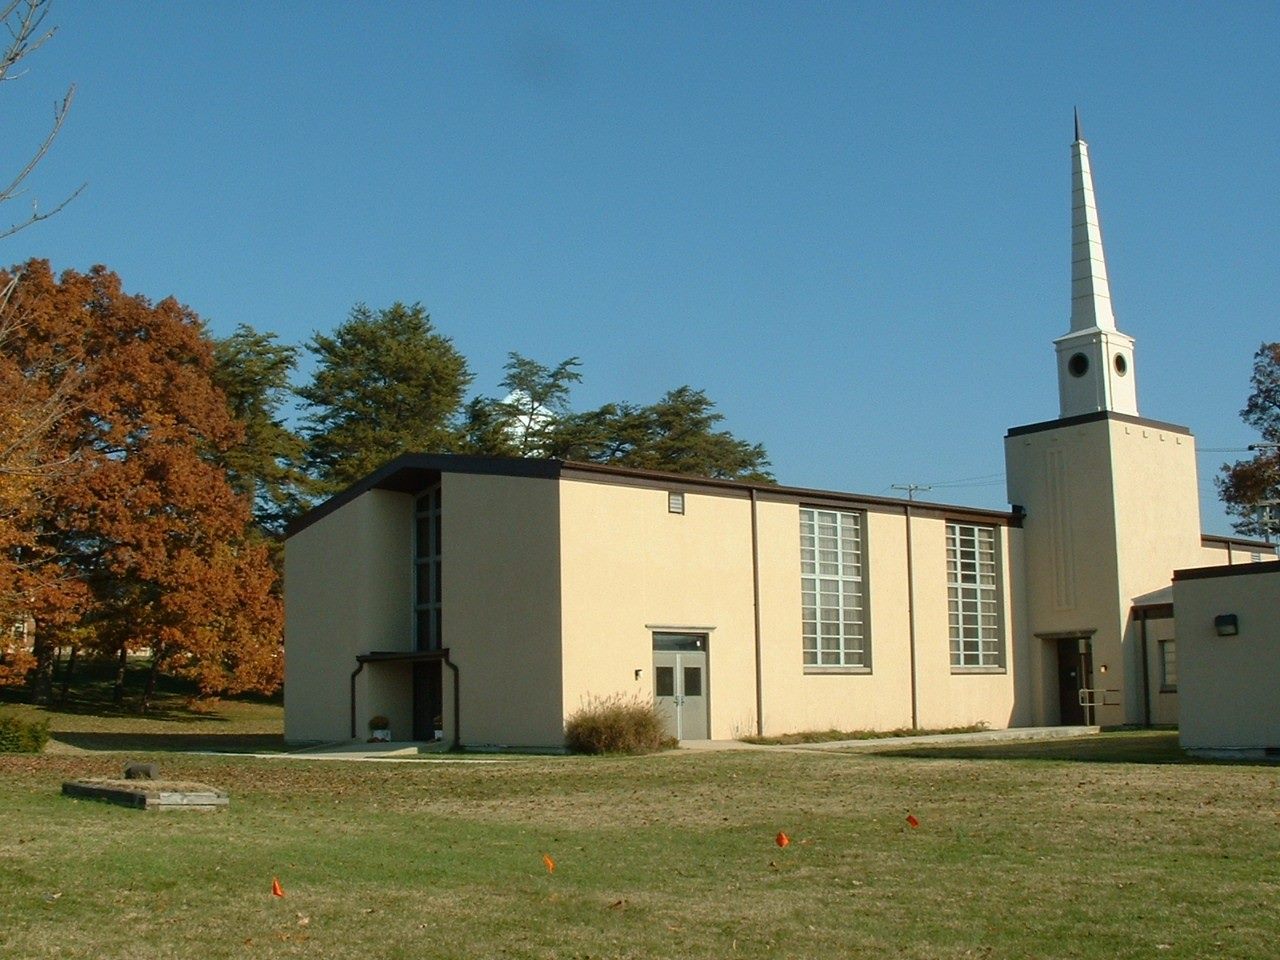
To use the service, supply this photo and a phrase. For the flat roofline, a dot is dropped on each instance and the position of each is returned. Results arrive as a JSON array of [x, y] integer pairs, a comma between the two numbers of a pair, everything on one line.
[[413, 472], [1225, 570], [1094, 418], [1236, 541]]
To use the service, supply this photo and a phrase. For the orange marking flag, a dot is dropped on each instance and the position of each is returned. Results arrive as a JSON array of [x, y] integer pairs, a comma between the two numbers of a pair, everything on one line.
[[276, 889], [782, 839], [551, 864], [911, 819]]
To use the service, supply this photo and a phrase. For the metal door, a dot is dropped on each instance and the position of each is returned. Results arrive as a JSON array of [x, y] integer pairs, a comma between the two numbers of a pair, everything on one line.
[[680, 683], [1075, 680]]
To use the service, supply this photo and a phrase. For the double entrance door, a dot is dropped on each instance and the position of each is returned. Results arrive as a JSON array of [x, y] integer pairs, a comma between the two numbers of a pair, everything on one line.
[[680, 683]]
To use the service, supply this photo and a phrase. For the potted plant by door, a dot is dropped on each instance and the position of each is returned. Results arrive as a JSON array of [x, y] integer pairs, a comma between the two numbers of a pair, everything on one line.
[[379, 729]]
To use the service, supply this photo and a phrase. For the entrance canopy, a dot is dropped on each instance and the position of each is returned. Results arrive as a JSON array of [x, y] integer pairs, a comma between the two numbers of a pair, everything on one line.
[[408, 656]]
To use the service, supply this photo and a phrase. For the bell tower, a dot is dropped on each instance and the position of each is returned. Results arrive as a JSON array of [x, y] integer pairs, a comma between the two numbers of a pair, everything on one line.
[[1110, 504], [1095, 360]]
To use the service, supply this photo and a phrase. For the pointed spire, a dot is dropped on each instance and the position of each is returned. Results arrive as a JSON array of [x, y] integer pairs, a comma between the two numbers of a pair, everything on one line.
[[1076, 111], [1090, 291]]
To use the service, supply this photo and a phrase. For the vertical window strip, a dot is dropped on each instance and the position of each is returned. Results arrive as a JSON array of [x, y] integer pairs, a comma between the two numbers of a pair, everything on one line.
[[1168, 666], [973, 607], [833, 619], [427, 572]]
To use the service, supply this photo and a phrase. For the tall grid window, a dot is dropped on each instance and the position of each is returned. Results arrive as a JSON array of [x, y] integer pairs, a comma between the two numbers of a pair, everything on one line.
[[426, 573], [973, 610], [833, 594]]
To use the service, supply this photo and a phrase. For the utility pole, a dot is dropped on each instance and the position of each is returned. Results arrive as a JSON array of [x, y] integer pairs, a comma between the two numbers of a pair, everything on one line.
[[1266, 508], [911, 488]]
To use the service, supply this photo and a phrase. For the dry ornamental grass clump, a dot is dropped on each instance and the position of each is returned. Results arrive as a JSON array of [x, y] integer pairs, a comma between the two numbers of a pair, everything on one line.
[[616, 724]]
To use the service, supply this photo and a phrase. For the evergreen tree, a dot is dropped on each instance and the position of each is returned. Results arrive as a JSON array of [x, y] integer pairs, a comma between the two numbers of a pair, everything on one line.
[[253, 370], [679, 433], [537, 401], [386, 383]]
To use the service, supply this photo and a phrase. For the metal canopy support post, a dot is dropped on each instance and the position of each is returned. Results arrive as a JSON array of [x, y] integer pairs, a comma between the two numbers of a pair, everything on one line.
[[412, 656], [355, 673], [457, 699]]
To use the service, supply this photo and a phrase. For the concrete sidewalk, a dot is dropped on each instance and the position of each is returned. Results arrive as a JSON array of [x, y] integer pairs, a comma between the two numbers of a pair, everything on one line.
[[411, 752], [888, 743]]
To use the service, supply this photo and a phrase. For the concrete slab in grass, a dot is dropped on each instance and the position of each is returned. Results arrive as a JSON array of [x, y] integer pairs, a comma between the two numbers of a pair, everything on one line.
[[150, 794]]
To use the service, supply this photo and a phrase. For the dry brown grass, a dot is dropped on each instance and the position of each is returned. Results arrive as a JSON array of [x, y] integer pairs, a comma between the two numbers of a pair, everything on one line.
[[663, 856]]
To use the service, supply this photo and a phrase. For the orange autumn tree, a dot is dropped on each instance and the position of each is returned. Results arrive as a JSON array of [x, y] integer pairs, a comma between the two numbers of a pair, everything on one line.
[[150, 545], [33, 398]]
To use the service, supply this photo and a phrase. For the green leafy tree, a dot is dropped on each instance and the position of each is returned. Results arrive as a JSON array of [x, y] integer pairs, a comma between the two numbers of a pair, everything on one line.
[[254, 371], [386, 383], [1247, 485]]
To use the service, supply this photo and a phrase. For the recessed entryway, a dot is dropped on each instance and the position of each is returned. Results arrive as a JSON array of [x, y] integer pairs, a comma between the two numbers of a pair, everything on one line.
[[1075, 680]]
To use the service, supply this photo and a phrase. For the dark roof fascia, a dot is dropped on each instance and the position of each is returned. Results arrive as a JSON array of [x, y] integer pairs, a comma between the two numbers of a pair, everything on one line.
[[1094, 418], [604, 473], [1235, 541], [1227, 570], [413, 472]]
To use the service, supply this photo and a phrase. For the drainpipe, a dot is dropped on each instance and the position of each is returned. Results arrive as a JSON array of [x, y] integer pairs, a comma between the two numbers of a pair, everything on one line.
[[755, 594], [911, 624], [457, 701], [354, 673], [1146, 668]]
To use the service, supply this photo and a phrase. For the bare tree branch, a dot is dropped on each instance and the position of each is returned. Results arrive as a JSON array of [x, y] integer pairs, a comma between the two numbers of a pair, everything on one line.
[[23, 20]]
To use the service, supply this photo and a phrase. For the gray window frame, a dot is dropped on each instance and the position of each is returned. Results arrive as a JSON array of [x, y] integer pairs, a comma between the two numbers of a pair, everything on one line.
[[970, 595], [842, 578]]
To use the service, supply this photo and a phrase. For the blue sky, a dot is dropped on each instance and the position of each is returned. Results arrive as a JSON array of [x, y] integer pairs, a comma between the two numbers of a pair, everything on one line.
[[848, 222]]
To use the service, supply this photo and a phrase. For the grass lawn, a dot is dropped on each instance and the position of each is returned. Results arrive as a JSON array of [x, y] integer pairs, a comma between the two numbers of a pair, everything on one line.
[[664, 856], [87, 718]]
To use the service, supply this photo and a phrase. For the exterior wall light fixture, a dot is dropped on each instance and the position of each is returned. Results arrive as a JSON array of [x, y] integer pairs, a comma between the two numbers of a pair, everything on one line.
[[1226, 625]]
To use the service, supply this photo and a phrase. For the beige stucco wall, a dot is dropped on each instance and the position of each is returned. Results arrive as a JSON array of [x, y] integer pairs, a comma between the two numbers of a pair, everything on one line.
[[1229, 687], [1112, 510], [630, 567], [1215, 552], [347, 590], [501, 603], [1164, 702]]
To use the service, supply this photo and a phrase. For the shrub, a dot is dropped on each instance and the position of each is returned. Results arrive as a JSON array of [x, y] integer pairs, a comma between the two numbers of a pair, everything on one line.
[[23, 736], [616, 724]]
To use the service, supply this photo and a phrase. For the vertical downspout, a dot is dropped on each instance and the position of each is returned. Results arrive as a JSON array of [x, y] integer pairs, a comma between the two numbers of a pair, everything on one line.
[[911, 624], [1146, 668], [457, 704], [354, 673], [755, 595]]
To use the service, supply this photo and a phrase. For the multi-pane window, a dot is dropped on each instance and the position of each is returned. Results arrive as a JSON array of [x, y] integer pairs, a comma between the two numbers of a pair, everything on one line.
[[1168, 666], [973, 607], [832, 586], [426, 563]]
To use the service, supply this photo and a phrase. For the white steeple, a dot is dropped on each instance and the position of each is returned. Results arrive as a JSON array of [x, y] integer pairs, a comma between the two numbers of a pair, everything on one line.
[[1095, 360]]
